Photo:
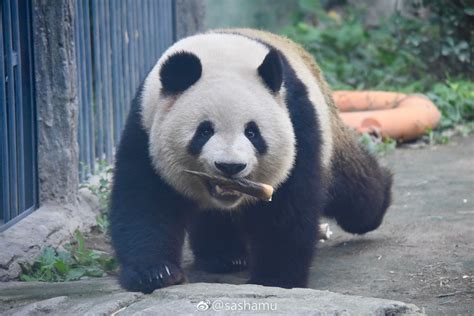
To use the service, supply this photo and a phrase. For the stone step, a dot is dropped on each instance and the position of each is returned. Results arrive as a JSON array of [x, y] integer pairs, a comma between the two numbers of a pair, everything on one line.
[[104, 297]]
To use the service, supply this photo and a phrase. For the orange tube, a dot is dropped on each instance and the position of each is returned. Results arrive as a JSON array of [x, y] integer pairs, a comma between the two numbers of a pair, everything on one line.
[[395, 115], [348, 101]]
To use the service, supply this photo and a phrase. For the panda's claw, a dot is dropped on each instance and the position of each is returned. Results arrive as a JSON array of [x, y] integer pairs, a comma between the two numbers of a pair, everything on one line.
[[221, 264], [146, 280]]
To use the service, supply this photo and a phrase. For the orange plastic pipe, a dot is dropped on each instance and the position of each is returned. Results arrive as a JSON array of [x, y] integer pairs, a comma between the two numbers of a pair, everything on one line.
[[395, 115]]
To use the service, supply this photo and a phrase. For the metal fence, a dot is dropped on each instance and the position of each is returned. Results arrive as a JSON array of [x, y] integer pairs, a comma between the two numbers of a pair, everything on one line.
[[117, 43], [18, 168]]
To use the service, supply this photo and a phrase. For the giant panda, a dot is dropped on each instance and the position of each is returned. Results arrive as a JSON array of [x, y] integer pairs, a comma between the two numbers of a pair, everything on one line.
[[238, 103]]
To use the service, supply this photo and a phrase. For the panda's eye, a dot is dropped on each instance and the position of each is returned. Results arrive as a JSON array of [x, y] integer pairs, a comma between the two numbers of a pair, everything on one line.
[[205, 129], [201, 136], [207, 132], [250, 132]]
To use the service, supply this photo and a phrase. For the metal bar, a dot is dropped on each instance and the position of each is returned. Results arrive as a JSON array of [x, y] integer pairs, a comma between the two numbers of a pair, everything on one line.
[[96, 32], [32, 107], [18, 84], [115, 71], [158, 21], [126, 39], [168, 26], [83, 84], [131, 55], [120, 62], [146, 35], [141, 42], [136, 61], [81, 130], [88, 84], [172, 28], [12, 144], [4, 157], [149, 38], [108, 83], [18, 218], [126, 56], [160, 26]]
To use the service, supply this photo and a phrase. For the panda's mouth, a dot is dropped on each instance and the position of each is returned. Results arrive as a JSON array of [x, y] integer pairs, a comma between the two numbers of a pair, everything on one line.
[[222, 193]]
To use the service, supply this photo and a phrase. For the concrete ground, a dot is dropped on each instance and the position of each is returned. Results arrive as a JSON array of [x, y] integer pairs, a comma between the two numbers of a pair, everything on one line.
[[424, 251], [423, 254]]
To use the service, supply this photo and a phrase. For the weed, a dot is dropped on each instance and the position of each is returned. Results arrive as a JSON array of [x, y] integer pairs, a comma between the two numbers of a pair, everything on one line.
[[72, 263], [100, 186], [377, 145], [403, 53]]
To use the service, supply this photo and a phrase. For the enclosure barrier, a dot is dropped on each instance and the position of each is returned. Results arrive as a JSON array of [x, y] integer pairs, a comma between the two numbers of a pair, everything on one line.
[[18, 168], [117, 43]]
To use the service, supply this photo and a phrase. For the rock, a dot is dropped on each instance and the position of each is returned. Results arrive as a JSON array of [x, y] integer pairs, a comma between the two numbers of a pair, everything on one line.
[[50, 225], [39, 308], [104, 297]]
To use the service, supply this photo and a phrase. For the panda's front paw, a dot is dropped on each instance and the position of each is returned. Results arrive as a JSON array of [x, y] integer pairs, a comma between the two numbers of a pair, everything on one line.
[[221, 264], [147, 279]]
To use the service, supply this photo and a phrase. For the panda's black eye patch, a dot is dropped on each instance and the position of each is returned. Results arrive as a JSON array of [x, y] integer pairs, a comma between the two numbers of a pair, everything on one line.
[[252, 132], [203, 133]]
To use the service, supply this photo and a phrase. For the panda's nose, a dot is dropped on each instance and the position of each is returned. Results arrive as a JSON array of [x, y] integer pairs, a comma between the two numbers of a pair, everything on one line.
[[230, 169]]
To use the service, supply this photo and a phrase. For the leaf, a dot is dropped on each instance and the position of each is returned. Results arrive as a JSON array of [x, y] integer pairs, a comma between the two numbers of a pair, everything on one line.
[[48, 257], [65, 257], [27, 278], [80, 241], [61, 267], [94, 271], [75, 274], [309, 5], [469, 11]]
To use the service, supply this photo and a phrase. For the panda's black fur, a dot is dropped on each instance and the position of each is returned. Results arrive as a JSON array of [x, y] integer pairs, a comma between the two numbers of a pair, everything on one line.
[[275, 240]]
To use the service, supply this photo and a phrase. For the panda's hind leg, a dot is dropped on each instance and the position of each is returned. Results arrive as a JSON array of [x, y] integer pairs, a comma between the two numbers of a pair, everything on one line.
[[217, 242], [360, 190]]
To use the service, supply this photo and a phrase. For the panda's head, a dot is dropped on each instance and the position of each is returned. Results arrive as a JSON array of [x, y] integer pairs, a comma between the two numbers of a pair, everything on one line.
[[224, 117]]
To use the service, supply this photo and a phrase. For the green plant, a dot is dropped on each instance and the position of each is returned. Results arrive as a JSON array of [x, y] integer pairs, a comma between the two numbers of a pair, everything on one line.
[[100, 186], [405, 52], [400, 51], [377, 145], [455, 100], [73, 263], [452, 22]]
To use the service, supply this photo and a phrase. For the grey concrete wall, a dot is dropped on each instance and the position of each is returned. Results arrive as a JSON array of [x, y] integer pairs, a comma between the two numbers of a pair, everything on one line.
[[56, 100], [189, 17]]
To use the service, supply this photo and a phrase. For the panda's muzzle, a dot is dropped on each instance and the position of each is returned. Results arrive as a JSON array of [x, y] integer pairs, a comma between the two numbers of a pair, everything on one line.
[[222, 193], [231, 189]]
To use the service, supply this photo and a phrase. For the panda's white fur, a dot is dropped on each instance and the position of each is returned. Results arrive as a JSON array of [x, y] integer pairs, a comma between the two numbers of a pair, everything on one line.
[[231, 92]]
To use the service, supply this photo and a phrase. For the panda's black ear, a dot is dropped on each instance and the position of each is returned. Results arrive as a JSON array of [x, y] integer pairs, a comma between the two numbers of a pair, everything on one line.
[[180, 71], [271, 70]]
